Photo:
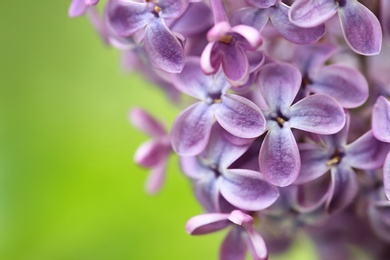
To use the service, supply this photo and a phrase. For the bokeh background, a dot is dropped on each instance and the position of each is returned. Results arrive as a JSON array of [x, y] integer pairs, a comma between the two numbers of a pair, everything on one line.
[[68, 186]]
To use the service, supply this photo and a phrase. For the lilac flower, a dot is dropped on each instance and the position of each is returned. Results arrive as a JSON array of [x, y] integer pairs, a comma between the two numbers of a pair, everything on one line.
[[244, 189], [362, 30], [347, 85], [237, 115], [279, 158], [277, 12], [152, 154], [240, 237], [334, 154], [79, 7], [147, 19], [227, 47]]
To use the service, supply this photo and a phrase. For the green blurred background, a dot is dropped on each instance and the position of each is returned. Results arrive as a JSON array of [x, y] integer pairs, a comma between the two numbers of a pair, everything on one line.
[[68, 186]]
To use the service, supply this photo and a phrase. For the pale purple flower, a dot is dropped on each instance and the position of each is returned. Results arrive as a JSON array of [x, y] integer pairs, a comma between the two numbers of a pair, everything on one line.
[[147, 21], [79, 7], [279, 158], [361, 28], [333, 153], [241, 237], [154, 153], [277, 13], [237, 115]]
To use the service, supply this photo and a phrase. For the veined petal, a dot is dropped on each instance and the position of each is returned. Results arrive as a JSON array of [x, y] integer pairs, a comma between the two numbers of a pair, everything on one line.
[[172, 8], [163, 47], [125, 17], [279, 158], [290, 31], [146, 123], [279, 83], [234, 63], [313, 162], [262, 4], [193, 168], [347, 85], [250, 34], [381, 119], [211, 59], [257, 18], [318, 114], [343, 188], [361, 28], [207, 223], [234, 245], [191, 129], [310, 13], [386, 176], [247, 190], [367, 152], [240, 116], [77, 8]]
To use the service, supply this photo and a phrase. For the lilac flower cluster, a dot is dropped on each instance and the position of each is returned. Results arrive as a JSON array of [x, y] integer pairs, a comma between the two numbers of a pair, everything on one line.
[[289, 126]]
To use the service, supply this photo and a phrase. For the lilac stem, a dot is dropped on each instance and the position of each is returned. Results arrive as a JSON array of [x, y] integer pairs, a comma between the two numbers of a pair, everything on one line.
[[218, 11]]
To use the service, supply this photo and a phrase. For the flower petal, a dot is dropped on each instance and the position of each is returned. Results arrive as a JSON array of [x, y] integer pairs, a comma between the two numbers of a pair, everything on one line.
[[211, 59], [291, 32], [263, 4], [279, 83], [234, 245], [240, 116], [256, 245], [343, 188], [313, 162], [164, 48], [150, 153], [156, 178], [310, 13], [147, 123], [347, 85], [125, 18], [257, 18], [279, 158], [207, 223], [77, 8], [172, 8], [386, 176], [309, 58], [234, 63], [318, 114], [381, 119], [367, 152], [247, 190], [250, 34], [191, 129], [361, 28]]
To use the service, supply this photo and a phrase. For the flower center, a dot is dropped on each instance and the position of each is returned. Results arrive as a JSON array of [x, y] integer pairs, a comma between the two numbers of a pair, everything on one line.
[[341, 3], [226, 39], [335, 158]]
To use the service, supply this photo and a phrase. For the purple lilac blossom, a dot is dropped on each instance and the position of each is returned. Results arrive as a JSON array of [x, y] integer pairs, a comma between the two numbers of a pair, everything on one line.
[[79, 7]]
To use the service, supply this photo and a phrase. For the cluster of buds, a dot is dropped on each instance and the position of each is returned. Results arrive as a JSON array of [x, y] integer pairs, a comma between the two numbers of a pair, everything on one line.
[[289, 126]]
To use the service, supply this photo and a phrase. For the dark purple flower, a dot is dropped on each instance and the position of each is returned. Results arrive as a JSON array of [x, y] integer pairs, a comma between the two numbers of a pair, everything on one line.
[[237, 115], [241, 237], [362, 30], [147, 21], [279, 158], [79, 7], [277, 13], [152, 154]]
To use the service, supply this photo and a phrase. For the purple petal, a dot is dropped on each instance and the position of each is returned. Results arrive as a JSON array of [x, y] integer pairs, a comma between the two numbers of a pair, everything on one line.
[[383, 209], [385, 19], [150, 153], [262, 4], [206, 191], [207, 223], [193, 168], [257, 18], [256, 245], [172, 8], [234, 245], [347, 85], [220, 151], [318, 114], [211, 59], [381, 228], [251, 35], [240, 116], [386, 176], [191, 129], [361, 28], [343, 188], [308, 58], [247, 190], [156, 178], [279, 84], [313, 162], [125, 18], [146, 123], [367, 152], [311, 196], [240, 218], [381, 119], [164, 48], [310, 13], [77, 8], [279, 157], [234, 63], [291, 32]]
